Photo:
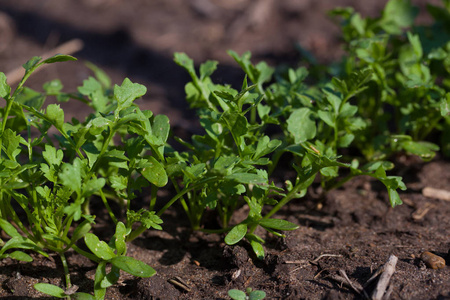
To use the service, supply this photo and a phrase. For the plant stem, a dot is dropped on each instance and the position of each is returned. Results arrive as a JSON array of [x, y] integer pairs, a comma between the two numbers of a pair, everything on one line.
[[66, 269], [183, 192], [108, 208]]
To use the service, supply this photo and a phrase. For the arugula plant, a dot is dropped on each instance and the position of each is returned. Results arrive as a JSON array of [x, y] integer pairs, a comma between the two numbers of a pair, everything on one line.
[[232, 161], [409, 95], [53, 179]]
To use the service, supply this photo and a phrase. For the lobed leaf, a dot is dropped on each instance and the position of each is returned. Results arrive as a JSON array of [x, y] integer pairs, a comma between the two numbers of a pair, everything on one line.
[[5, 89], [126, 93], [301, 125]]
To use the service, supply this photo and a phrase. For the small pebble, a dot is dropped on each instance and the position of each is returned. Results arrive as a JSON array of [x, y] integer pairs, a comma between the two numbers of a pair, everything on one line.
[[432, 261]]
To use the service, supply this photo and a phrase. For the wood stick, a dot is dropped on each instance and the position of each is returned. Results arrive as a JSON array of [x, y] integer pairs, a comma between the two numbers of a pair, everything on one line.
[[67, 48], [383, 282], [436, 193]]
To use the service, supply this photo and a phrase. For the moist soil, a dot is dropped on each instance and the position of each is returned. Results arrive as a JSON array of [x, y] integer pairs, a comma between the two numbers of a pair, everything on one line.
[[352, 229]]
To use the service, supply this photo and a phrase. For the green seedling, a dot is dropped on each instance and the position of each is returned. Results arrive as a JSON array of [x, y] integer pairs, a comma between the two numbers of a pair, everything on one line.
[[249, 294]]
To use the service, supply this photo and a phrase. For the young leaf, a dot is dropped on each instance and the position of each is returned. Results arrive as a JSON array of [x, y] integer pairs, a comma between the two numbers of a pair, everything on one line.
[[207, 68], [70, 175], [127, 93], [21, 256], [5, 89], [256, 243], [58, 58], [99, 248], [8, 228], [52, 156], [278, 224], [133, 266], [237, 294], [256, 295], [50, 289], [100, 274], [81, 231], [55, 115], [236, 234], [154, 172], [82, 296], [100, 74], [31, 63], [301, 125], [119, 241]]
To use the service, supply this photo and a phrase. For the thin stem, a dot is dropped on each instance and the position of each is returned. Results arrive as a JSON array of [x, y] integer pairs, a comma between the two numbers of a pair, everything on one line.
[[66, 270], [183, 192], [108, 208]]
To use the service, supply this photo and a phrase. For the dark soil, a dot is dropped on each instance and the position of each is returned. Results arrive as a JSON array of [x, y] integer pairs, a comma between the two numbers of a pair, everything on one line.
[[354, 226]]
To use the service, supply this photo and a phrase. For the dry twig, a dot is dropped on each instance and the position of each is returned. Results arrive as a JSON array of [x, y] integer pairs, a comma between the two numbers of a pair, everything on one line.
[[436, 193], [385, 277]]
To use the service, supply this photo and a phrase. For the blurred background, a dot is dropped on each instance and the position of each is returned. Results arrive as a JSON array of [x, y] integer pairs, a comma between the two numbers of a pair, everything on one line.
[[137, 39]]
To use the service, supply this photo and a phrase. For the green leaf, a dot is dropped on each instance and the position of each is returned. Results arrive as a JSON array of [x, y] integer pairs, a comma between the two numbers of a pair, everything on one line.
[[99, 248], [278, 224], [327, 117], [247, 178], [334, 100], [207, 68], [256, 243], [301, 125], [21, 256], [11, 143], [100, 275], [133, 266], [53, 87], [425, 150], [416, 45], [237, 123], [444, 105], [127, 93], [31, 63], [154, 172], [81, 230], [266, 146], [70, 175], [5, 89], [236, 234], [237, 294], [119, 241], [100, 74], [256, 295], [394, 197], [82, 296], [55, 114], [111, 278], [50, 289], [184, 61], [8, 228], [52, 156], [161, 127], [58, 58], [398, 14], [30, 98], [92, 186]]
